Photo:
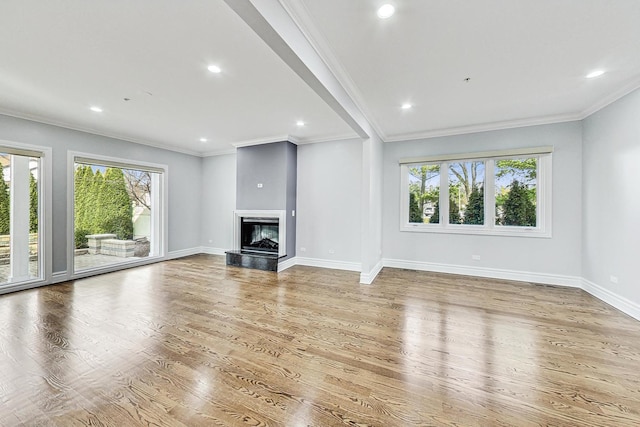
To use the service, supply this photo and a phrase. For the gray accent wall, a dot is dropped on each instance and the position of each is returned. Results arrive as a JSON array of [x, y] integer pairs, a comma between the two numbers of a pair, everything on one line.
[[184, 178], [266, 179], [266, 165]]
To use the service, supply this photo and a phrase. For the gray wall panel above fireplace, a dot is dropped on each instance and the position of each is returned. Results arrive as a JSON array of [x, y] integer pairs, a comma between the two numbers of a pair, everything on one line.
[[262, 164]]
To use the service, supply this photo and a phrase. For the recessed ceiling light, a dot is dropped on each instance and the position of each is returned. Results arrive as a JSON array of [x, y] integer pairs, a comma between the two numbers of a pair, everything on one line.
[[406, 106], [96, 109], [596, 73], [214, 69], [386, 11], [299, 123], [203, 139]]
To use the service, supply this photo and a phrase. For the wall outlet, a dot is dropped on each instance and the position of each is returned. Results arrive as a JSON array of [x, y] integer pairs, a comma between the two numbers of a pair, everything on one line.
[[614, 279], [303, 249], [331, 251], [259, 185], [475, 257], [293, 213]]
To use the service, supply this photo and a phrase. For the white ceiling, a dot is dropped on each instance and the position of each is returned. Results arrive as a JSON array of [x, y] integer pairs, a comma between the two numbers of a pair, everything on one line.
[[57, 58], [526, 60]]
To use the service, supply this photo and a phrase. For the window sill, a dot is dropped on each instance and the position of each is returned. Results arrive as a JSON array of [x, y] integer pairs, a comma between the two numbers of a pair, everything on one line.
[[477, 230]]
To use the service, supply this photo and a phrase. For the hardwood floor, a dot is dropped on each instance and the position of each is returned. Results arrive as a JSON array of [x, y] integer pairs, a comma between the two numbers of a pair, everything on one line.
[[191, 342]]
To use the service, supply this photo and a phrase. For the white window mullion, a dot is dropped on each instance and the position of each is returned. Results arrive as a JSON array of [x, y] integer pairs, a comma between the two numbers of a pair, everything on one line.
[[543, 195], [444, 194], [404, 196], [490, 194], [156, 212]]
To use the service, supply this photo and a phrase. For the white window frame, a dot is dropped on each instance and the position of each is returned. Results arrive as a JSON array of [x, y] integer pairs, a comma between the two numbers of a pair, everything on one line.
[[543, 194], [45, 223], [159, 224]]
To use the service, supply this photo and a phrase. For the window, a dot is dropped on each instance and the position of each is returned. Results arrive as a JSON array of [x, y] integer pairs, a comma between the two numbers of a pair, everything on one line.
[[500, 193], [117, 212], [21, 224]]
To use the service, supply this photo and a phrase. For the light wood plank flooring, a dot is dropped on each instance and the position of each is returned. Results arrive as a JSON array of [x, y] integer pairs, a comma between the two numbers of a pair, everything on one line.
[[191, 342]]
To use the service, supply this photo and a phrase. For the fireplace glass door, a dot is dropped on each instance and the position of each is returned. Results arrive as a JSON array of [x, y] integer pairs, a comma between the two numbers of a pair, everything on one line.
[[260, 235]]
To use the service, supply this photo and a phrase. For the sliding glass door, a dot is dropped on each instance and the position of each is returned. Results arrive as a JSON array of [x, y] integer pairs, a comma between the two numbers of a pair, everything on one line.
[[117, 213]]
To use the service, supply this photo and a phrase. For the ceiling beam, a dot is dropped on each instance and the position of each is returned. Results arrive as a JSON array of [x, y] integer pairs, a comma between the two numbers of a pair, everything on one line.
[[271, 22]]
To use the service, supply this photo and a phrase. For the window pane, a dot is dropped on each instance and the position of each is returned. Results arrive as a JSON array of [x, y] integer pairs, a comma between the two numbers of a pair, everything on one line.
[[34, 209], [112, 214], [19, 240], [424, 191], [5, 216], [516, 192], [466, 193]]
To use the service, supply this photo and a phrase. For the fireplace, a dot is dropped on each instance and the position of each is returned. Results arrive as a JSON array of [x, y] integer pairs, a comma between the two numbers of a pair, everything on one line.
[[259, 235], [260, 232]]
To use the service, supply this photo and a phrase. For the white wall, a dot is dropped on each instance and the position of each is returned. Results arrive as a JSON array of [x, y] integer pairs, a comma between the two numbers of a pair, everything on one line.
[[218, 202], [329, 200], [611, 201], [557, 257], [184, 178], [372, 200]]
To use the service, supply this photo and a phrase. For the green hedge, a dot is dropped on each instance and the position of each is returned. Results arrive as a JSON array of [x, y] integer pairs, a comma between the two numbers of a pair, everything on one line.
[[5, 205], [102, 204]]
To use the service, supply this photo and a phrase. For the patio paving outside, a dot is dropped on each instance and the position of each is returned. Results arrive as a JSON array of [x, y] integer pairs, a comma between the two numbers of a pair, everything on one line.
[[87, 261], [81, 262], [5, 270]]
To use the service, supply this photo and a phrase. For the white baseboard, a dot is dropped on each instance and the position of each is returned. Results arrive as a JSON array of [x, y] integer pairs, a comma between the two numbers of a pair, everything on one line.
[[328, 263], [212, 251], [493, 273], [59, 276], [613, 299], [7, 289], [116, 267], [184, 252], [619, 302], [369, 277], [282, 266]]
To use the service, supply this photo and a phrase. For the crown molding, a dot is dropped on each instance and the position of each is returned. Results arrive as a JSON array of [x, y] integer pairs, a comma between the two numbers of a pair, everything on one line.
[[213, 153], [633, 85], [64, 125], [260, 141], [344, 137], [290, 138], [485, 127]]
